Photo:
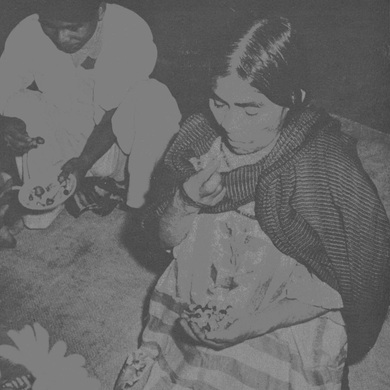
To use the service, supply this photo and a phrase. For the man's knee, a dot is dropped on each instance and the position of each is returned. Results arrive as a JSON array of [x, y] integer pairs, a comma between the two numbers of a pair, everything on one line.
[[148, 114]]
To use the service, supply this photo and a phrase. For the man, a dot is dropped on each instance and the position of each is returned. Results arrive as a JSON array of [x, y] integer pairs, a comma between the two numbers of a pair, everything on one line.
[[76, 74]]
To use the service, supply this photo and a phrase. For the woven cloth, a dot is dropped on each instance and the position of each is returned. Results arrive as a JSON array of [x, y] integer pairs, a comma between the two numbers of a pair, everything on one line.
[[315, 202]]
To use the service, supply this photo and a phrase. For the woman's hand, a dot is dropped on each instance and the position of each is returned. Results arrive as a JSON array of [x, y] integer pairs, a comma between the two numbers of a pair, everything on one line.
[[246, 327], [202, 189], [205, 187]]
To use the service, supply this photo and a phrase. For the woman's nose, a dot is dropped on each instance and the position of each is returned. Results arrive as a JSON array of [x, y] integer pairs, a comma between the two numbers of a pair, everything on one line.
[[230, 121]]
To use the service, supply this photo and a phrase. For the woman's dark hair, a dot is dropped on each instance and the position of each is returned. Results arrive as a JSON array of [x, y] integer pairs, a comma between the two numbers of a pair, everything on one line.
[[267, 53]]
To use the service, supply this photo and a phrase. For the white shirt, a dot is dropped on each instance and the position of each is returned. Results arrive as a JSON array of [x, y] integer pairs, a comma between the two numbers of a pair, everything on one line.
[[127, 56]]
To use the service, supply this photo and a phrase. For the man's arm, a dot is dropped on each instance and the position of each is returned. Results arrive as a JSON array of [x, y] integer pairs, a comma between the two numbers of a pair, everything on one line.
[[98, 143], [100, 140]]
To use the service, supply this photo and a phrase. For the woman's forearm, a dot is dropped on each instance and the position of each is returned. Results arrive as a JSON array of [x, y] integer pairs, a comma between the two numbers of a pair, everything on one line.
[[285, 313], [176, 221]]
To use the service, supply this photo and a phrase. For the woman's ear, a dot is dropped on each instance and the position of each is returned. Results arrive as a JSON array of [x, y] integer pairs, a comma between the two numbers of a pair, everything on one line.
[[298, 97]]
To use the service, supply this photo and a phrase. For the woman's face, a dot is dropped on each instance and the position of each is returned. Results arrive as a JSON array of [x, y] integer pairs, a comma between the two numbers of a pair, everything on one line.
[[251, 121]]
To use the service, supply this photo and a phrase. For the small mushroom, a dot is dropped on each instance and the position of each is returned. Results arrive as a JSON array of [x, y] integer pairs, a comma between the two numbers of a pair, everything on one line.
[[39, 191]]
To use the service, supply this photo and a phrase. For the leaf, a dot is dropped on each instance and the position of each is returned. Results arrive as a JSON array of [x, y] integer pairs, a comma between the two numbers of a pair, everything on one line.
[[75, 360], [58, 351], [42, 338], [24, 339], [11, 353]]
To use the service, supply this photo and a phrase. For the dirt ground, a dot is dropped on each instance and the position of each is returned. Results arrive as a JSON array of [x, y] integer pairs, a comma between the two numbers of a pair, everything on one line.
[[347, 43], [80, 278], [87, 281]]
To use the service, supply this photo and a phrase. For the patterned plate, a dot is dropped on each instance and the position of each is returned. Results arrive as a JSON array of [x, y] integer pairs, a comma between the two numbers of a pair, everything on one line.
[[46, 194]]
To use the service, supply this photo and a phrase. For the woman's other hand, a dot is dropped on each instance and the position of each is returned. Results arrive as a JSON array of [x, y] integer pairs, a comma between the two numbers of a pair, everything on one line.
[[14, 135], [205, 187]]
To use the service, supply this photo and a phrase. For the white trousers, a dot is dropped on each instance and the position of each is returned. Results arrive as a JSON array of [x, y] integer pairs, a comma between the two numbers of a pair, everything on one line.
[[144, 123]]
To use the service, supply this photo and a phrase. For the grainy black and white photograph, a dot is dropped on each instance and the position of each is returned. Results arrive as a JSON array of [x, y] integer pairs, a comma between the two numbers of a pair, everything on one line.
[[194, 194]]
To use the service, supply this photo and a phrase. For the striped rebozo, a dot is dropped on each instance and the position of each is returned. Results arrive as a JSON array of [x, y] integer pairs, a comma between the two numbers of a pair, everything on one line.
[[315, 202]]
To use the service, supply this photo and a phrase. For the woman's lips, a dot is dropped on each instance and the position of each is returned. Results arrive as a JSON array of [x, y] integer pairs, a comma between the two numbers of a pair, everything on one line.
[[236, 142]]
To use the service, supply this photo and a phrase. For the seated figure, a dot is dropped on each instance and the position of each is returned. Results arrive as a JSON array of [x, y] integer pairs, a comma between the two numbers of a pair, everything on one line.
[[280, 241], [76, 97]]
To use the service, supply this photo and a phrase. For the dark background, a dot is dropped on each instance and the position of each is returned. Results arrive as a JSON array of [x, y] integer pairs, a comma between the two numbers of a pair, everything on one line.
[[347, 42]]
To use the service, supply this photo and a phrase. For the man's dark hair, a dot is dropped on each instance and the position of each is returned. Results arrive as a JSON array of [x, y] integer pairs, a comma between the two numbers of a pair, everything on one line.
[[69, 10]]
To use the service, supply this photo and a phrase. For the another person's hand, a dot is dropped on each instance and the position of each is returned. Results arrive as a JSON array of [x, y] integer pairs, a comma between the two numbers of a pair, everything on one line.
[[76, 166], [50, 367], [246, 327], [14, 134], [205, 187]]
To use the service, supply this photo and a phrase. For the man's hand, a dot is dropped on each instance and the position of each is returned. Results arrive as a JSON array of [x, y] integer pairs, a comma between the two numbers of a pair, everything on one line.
[[76, 166], [14, 134], [205, 187], [98, 143]]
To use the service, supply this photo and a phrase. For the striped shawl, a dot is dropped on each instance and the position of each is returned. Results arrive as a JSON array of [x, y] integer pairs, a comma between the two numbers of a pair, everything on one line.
[[315, 202]]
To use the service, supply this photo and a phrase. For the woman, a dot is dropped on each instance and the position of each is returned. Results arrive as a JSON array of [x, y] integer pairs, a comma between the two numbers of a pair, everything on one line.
[[281, 248]]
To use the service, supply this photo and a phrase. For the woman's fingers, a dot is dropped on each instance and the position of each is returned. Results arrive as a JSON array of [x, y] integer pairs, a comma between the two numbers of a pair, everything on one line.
[[197, 331], [201, 184], [211, 184], [219, 197], [213, 198], [206, 187], [216, 197], [199, 336], [188, 330], [220, 336], [206, 173]]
